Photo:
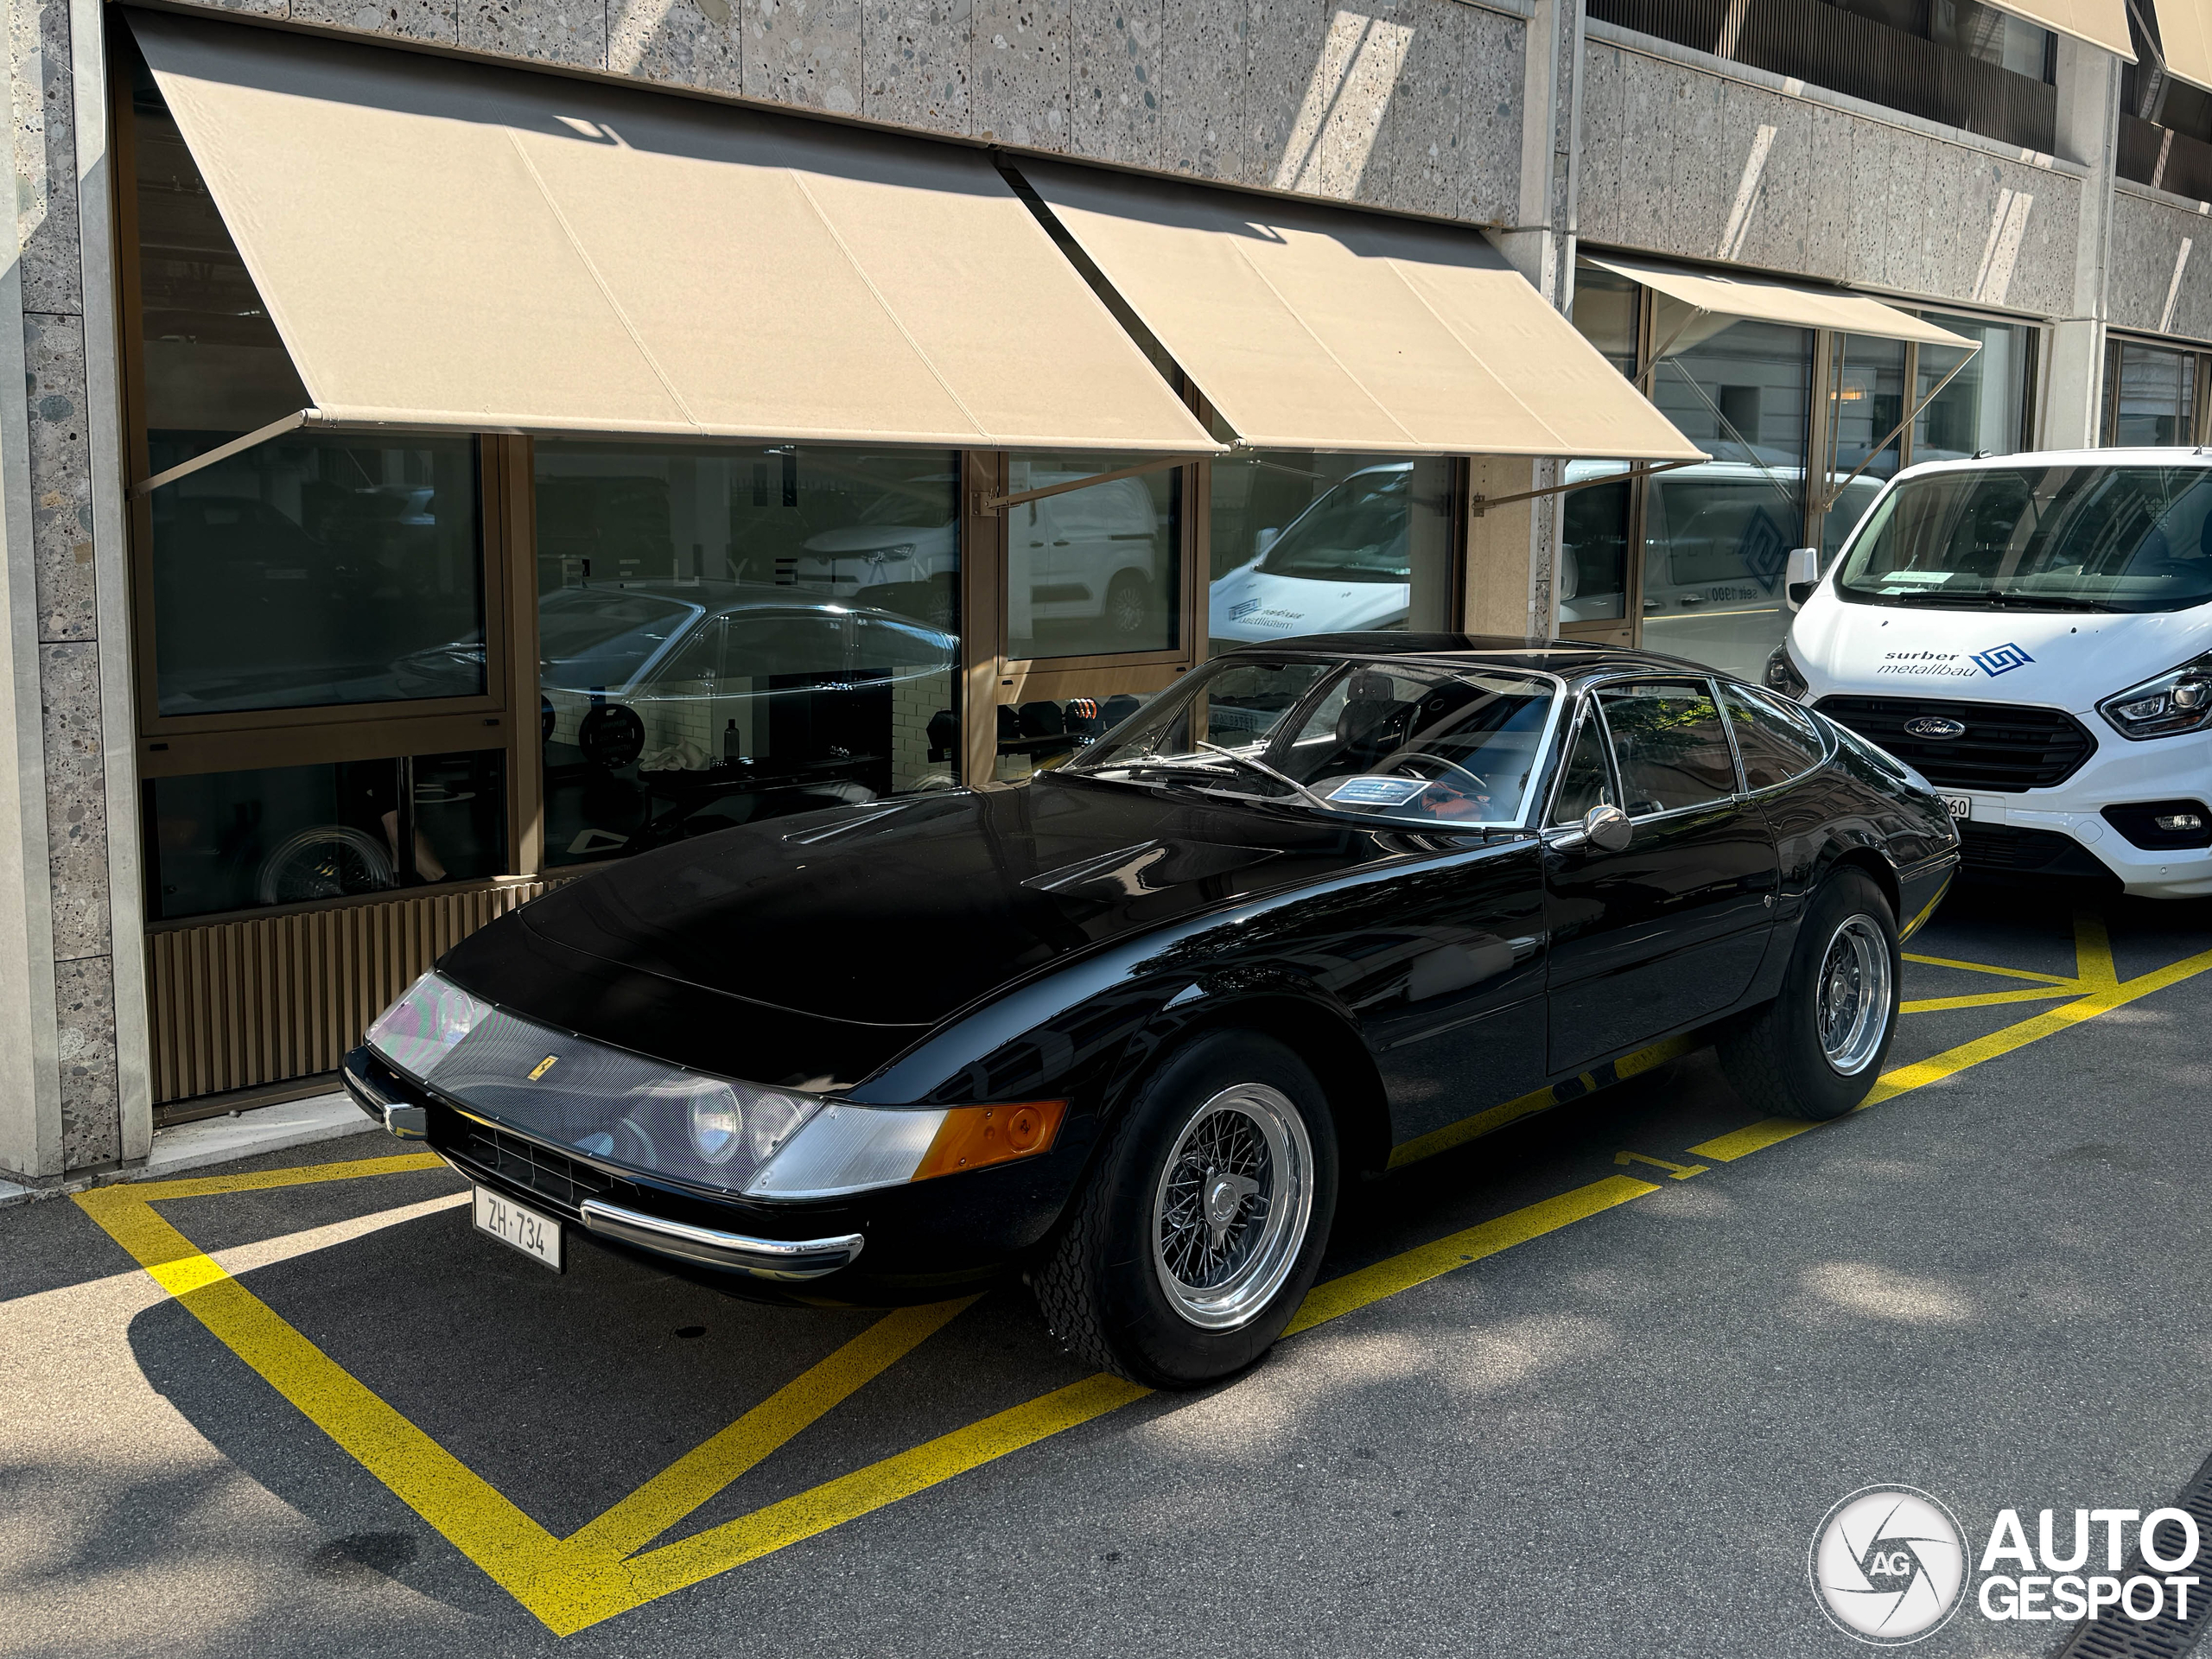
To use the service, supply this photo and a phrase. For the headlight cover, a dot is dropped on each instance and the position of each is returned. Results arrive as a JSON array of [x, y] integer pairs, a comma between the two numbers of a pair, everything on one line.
[[737, 1137], [1782, 674], [605, 1102], [2176, 701]]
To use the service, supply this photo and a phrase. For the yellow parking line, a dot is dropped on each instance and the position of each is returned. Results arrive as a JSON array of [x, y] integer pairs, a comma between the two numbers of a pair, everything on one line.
[[605, 1569], [1986, 968], [1986, 999]]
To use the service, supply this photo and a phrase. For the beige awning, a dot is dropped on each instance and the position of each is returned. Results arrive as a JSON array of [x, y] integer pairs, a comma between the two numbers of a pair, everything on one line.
[[446, 244], [2185, 40], [1313, 327], [2100, 22], [1749, 300]]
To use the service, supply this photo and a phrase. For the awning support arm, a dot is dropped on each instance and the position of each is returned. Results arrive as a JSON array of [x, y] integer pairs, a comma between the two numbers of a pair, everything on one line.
[[1828, 501], [987, 506], [1479, 505], [291, 423]]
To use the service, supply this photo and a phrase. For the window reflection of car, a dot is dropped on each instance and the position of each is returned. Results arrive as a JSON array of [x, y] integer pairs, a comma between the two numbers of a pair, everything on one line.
[[1090, 555], [676, 708], [1716, 538], [1343, 565]]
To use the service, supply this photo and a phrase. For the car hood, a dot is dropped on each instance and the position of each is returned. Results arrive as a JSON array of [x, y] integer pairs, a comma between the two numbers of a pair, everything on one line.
[[897, 915], [868, 538], [2068, 660], [1249, 604]]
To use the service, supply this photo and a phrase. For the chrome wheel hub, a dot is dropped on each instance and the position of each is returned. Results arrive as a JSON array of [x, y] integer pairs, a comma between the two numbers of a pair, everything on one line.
[[1231, 1212], [1852, 997]]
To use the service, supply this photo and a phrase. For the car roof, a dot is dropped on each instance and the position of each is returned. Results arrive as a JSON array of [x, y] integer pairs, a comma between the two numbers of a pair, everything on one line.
[[2162, 455], [1573, 659]]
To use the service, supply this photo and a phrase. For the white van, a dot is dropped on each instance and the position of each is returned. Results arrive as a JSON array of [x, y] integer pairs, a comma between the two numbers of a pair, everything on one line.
[[2034, 634]]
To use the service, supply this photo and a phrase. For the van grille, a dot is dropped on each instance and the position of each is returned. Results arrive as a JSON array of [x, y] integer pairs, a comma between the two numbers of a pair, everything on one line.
[[2006, 746]]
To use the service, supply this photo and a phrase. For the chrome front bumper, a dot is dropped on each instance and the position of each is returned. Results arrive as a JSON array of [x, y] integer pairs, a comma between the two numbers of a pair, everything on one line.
[[780, 1259], [759, 1258]]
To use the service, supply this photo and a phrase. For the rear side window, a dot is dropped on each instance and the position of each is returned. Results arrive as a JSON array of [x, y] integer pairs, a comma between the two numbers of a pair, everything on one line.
[[1587, 782], [1668, 745], [1776, 747]]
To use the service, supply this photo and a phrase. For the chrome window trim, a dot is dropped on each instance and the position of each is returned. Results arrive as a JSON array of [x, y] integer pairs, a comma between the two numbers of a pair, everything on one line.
[[1734, 798]]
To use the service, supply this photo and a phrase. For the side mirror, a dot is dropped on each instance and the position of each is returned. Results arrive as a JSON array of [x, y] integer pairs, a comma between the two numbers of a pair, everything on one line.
[[1570, 577], [1264, 540], [1605, 828], [1803, 575]]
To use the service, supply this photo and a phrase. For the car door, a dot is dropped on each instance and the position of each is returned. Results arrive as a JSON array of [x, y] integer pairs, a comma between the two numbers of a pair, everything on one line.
[[1669, 929]]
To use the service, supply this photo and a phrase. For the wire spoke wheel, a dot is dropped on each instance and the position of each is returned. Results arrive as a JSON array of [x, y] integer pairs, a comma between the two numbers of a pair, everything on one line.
[[1230, 1213], [1851, 995]]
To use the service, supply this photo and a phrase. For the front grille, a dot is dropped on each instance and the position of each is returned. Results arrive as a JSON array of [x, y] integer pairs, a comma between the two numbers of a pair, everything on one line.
[[521, 1164], [2001, 850], [2006, 747]]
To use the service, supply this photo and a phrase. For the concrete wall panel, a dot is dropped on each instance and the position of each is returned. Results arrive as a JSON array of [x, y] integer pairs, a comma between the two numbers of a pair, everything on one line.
[[1021, 73], [44, 153], [805, 53], [914, 57], [2154, 285], [1202, 87], [550, 31], [680, 42], [1115, 58], [61, 489], [76, 798], [1837, 194], [407, 20], [92, 1118]]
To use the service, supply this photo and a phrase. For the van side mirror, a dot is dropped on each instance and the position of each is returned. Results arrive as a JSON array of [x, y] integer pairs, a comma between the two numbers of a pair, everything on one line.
[[1605, 828], [1264, 540], [1803, 575]]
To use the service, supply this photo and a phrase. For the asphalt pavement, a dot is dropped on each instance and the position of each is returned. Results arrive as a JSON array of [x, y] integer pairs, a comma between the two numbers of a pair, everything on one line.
[[1585, 1386]]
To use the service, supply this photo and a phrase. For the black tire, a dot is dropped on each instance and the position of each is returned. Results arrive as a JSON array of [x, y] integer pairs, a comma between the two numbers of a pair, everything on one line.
[[1102, 1288], [1778, 1060]]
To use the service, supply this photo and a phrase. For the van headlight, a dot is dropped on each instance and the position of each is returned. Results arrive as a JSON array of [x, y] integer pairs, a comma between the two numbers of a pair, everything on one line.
[[1783, 674], [2177, 701]]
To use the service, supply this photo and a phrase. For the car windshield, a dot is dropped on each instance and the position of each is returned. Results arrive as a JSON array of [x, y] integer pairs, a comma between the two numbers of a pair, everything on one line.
[[1359, 531], [2076, 537], [1400, 741]]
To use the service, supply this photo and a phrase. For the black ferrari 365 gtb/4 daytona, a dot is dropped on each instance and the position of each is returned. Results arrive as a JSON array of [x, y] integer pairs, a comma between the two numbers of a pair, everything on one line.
[[1132, 1027]]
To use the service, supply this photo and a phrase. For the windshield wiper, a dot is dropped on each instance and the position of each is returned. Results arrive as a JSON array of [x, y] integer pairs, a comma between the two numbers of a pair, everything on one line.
[[1266, 771], [1993, 598]]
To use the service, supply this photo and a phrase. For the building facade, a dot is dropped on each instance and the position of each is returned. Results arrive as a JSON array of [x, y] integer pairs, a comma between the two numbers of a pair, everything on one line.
[[289, 719]]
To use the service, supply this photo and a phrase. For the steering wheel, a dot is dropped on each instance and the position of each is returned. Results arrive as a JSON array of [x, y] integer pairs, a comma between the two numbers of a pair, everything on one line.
[[1401, 761]]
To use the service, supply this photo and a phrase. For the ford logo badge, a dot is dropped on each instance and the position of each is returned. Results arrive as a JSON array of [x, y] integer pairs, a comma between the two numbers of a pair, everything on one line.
[[1934, 725]]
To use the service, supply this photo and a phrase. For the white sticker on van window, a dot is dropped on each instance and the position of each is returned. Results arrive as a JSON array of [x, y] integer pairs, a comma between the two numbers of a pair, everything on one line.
[[1377, 792]]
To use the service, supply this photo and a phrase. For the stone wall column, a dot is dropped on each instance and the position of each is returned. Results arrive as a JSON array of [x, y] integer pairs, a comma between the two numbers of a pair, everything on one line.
[[1541, 246], [2088, 132], [68, 852]]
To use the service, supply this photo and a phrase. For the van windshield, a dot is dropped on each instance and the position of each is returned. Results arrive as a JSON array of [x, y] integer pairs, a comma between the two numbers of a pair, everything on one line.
[[2076, 537], [1359, 531]]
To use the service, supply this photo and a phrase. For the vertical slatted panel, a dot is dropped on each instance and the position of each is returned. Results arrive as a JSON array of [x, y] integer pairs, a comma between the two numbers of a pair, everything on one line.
[[237, 1004]]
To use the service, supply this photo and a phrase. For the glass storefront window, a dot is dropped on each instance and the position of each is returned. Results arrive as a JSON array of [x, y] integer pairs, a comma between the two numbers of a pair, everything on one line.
[[1095, 571], [1983, 409], [733, 633], [315, 571], [286, 834], [1036, 733], [1321, 543], [1865, 403], [2152, 395], [1594, 531], [1717, 536]]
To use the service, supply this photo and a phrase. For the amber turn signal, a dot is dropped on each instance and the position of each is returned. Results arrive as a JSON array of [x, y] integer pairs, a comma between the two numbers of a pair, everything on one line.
[[972, 1137]]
